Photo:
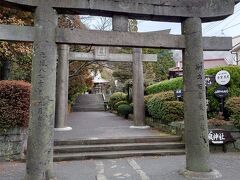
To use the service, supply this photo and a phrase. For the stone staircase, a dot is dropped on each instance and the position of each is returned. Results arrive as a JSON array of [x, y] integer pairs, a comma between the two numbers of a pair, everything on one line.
[[117, 148], [89, 103]]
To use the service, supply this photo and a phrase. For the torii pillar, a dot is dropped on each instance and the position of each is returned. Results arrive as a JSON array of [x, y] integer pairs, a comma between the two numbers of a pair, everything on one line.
[[42, 111], [120, 23], [138, 90], [195, 112], [62, 88]]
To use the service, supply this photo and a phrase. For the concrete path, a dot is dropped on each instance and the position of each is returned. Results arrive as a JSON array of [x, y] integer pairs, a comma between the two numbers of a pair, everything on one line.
[[143, 168], [101, 125]]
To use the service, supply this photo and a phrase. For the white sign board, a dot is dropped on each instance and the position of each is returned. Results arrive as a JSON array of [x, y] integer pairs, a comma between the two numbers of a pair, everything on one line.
[[222, 77]]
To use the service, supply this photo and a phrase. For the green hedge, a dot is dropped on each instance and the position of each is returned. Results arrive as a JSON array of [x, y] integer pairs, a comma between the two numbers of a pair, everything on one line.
[[163, 106], [233, 106], [115, 98], [124, 110], [147, 98], [177, 83], [154, 100], [166, 111], [119, 103], [14, 104], [172, 111], [167, 85]]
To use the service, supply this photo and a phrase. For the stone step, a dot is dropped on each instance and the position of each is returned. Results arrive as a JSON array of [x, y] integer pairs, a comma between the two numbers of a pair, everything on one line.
[[140, 139], [90, 100], [118, 147], [86, 98], [88, 104], [116, 154], [87, 109]]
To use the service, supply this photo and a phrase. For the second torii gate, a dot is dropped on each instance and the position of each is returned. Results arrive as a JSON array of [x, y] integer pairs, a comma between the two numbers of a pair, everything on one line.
[[46, 35], [99, 54]]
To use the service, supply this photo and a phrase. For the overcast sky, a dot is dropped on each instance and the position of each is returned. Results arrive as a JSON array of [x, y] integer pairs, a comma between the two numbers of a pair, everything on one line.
[[228, 27]]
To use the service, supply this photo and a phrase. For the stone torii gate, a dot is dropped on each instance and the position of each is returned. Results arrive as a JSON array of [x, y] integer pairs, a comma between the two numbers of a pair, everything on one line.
[[99, 54], [46, 35]]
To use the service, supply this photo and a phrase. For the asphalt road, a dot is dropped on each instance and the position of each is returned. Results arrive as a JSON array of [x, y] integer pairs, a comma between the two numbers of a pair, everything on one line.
[[141, 168]]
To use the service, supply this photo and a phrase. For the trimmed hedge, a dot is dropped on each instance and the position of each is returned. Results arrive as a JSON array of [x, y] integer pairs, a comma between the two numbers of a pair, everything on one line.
[[172, 111], [167, 85], [158, 106], [119, 103], [154, 101], [147, 98], [14, 104], [166, 111], [233, 106], [124, 110], [115, 98]]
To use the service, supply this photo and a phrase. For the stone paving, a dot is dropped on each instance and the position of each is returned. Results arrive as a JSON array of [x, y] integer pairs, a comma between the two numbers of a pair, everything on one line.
[[101, 125], [142, 168]]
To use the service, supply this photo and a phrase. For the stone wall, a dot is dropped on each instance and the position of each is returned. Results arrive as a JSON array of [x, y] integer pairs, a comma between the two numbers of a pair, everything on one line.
[[177, 128], [12, 144]]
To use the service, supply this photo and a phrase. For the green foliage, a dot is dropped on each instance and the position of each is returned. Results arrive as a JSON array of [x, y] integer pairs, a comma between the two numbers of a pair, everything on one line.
[[172, 111], [124, 110], [158, 71], [177, 83], [21, 68], [233, 85], [164, 62], [119, 103], [233, 106], [166, 111], [155, 103], [14, 104], [167, 85], [147, 98], [165, 96], [115, 98]]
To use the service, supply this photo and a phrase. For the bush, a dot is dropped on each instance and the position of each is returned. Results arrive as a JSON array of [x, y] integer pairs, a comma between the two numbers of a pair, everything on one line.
[[147, 98], [167, 85], [172, 111], [167, 111], [155, 104], [119, 103], [163, 96], [14, 104], [233, 106], [115, 98], [124, 110]]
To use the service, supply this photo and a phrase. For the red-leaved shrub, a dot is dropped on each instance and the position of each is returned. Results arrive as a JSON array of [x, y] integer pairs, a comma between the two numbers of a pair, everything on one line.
[[14, 104]]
